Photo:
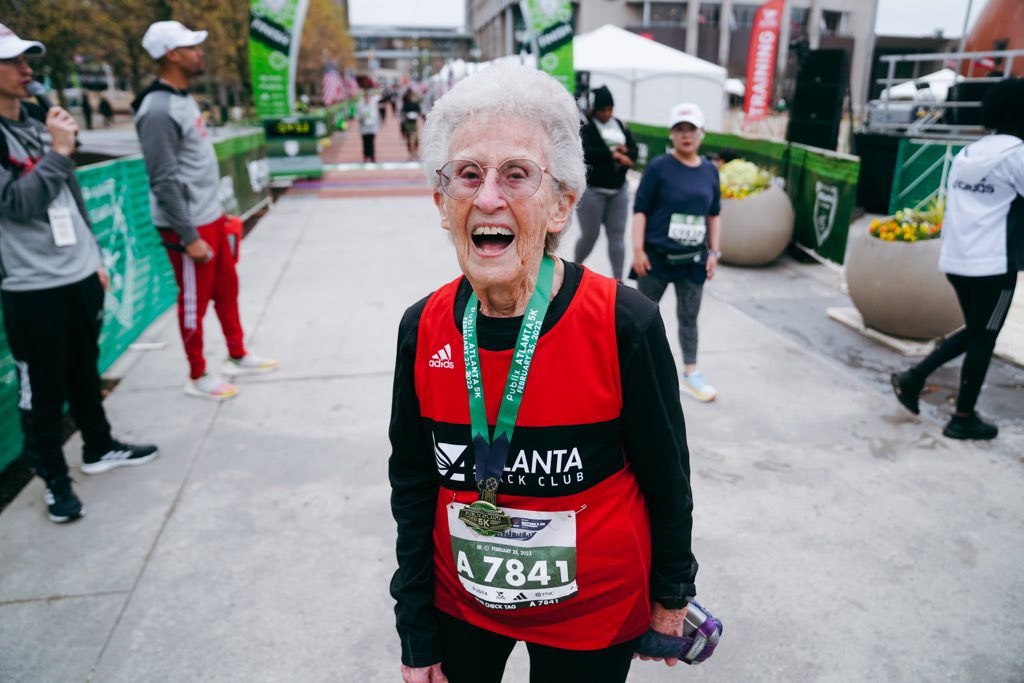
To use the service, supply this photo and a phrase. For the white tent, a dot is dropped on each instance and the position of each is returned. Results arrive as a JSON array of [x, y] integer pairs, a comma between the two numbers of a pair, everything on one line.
[[647, 79]]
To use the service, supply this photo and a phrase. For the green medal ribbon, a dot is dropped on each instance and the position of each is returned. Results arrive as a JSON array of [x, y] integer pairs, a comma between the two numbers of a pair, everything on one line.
[[491, 454]]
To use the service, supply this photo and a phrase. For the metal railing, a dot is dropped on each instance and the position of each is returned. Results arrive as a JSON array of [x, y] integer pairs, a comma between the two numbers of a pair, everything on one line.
[[924, 115]]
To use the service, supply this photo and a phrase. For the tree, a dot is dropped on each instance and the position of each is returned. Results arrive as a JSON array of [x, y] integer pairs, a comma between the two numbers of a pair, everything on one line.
[[324, 38], [120, 25], [111, 31], [58, 25]]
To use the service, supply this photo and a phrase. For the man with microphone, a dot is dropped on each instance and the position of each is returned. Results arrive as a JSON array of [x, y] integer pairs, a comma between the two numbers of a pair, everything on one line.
[[52, 287]]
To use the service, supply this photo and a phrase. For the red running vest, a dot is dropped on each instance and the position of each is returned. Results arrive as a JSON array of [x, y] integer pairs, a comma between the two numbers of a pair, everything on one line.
[[573, 400]]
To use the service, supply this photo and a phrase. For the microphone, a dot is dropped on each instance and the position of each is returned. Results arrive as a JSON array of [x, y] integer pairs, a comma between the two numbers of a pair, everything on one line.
[[38, 91]]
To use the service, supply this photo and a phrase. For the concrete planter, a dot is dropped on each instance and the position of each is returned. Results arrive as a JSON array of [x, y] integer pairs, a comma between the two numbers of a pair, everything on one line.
[[756, 229], [898, 289]]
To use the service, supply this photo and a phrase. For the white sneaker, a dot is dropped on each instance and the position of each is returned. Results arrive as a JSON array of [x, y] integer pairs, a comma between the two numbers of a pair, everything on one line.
[[696, 386], [249, 364], [210, 387]]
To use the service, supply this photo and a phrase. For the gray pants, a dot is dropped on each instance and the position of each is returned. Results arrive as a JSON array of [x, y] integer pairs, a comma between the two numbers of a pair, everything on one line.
[[688, 296], [610, 207]]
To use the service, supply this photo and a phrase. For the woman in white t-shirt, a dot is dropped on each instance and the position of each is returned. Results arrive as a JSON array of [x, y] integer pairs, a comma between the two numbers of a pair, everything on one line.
[[982, 251], [608, 152], [368, 113]]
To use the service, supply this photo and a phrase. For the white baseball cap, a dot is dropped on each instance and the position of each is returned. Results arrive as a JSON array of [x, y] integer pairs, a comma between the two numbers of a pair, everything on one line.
[[687, 112], [12, 46], [164, 36]]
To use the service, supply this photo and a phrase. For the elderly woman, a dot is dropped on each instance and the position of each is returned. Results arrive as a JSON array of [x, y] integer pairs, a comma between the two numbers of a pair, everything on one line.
[[539, 468]]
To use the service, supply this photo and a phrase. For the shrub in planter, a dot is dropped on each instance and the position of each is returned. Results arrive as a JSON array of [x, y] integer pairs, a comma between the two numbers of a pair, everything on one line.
[[757, 216], [894, 280]]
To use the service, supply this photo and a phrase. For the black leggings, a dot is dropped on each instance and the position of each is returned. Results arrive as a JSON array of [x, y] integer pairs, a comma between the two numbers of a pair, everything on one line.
[[985, 302], [473, 655], [368, 145]]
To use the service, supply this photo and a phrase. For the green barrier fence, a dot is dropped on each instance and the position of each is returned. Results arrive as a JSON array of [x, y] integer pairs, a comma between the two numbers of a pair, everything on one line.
[[142, 285], [921, 170], [821, 184]]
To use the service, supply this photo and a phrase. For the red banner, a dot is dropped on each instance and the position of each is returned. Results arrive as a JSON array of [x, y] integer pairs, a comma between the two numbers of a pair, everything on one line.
[[764, 46]]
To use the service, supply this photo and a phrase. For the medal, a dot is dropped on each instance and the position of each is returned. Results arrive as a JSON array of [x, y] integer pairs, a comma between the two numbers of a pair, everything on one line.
[[483, 516]]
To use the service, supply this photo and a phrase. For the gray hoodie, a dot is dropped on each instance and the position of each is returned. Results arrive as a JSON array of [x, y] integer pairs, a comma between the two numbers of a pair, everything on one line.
[[34, 180], [184, 177]]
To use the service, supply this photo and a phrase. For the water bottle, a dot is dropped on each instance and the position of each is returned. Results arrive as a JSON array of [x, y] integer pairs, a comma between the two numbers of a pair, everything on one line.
[[695, 618]]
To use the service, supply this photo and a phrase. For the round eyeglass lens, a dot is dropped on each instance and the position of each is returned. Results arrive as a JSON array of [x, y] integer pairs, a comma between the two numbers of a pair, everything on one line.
[[518, 178]]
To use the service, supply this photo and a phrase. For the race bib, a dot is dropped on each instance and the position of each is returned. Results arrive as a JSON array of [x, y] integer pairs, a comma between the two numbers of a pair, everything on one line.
[[62, 226], [411, 116], [686, 229], [530, 565]]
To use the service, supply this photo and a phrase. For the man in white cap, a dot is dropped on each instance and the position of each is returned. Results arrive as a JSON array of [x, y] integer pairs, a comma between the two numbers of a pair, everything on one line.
[[184, 180], [51, 288]]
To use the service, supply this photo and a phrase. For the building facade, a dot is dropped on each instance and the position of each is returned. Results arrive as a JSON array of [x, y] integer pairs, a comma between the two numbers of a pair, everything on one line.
[[715, 30]]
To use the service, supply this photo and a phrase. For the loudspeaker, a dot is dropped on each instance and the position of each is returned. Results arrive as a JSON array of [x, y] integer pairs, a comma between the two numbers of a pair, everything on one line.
[[817, 107], [582, 83], [966, 92]]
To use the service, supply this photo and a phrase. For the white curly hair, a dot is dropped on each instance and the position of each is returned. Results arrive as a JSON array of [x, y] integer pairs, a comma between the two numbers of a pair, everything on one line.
[[506, 92]]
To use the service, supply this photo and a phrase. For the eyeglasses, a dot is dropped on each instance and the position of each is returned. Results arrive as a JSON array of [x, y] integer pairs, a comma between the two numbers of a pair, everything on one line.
[[518, 178]]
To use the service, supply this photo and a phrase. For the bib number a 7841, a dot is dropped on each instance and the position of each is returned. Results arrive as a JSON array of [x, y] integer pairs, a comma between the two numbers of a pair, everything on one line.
[[515, 573], [531, 564]]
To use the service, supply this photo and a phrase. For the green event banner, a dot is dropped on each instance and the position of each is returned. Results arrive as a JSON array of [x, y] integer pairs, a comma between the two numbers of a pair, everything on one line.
[[550, 22], [275, 29], [823, 187]]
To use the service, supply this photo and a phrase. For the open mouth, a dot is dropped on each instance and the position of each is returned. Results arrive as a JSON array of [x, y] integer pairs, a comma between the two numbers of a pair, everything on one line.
[[492, 240]]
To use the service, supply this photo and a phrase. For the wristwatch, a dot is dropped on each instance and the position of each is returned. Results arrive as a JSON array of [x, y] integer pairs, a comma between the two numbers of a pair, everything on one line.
[[714, 252]]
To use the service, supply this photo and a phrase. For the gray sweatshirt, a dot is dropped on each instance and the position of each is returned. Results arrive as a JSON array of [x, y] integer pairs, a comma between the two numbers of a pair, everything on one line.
[[33, 181], [184, 178]]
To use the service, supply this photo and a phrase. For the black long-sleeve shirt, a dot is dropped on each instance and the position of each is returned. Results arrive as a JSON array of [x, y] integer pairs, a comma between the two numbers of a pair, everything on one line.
[[653, 436]]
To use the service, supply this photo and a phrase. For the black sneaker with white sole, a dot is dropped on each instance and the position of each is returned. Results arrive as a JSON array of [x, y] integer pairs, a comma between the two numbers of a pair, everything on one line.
[[119, 455], [62, 505]]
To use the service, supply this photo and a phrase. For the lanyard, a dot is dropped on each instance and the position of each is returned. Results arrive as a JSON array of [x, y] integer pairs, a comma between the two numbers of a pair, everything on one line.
[[491, 454]]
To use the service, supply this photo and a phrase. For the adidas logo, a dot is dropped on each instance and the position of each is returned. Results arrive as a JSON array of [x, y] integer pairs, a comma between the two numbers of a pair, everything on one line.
[[520, 597], [443, 358]]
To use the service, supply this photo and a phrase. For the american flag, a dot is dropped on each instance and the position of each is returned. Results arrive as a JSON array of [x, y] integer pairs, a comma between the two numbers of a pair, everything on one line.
[[351, 85], [332, 87]]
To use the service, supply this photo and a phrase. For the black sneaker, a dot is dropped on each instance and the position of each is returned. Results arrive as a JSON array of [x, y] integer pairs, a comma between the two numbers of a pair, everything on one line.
[[970, 427], [908, 389], [62, 505], [119, 455]]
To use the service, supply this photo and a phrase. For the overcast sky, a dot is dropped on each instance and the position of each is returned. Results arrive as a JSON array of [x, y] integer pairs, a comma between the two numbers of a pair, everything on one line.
[[895, 17], [408, 13], [923, 17]]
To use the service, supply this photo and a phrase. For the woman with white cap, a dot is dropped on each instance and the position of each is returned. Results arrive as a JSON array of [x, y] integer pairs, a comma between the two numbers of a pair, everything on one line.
[[676, 233]]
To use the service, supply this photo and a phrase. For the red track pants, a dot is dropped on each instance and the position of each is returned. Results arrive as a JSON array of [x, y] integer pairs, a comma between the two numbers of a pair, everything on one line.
[[198, 284]]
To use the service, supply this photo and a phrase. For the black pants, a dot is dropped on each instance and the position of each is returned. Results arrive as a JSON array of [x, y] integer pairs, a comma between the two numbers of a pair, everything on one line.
[[54, 338], [473, 655], [985, 302], [368, 140]]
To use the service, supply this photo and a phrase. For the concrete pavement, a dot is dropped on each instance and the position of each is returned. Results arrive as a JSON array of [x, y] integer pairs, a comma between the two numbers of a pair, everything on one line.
[[840, 538]]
